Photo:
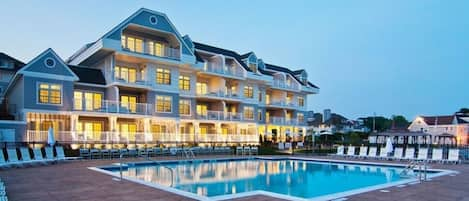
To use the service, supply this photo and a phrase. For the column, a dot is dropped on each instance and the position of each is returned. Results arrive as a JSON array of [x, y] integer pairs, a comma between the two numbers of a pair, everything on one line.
[[73, 126], [148, 137], [218, 135], [113, 133], [196, 131]]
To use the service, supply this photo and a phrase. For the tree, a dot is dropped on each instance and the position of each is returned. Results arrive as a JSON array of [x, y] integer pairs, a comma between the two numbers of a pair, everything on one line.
[[400, 121], [381, 123], [464, 110]]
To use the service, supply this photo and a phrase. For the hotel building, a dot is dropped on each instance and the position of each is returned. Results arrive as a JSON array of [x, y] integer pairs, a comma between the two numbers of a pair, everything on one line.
[[144, 83]]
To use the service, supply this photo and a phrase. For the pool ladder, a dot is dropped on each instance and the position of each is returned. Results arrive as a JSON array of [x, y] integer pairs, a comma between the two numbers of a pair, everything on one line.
[[420, 165]]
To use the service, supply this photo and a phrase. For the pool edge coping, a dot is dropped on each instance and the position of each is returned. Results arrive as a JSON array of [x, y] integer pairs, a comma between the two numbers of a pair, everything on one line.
[[441, 172]]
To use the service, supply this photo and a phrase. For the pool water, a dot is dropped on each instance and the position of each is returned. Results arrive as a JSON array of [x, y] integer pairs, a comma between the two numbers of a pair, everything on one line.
[[304, 179]]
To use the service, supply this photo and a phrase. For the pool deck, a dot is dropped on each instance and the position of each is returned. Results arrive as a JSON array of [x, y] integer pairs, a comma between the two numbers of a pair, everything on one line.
[[74, 181]]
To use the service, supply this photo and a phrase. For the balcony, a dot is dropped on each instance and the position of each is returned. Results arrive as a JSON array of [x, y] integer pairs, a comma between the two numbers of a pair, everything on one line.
[[147, 46], [230, 71], [281, 104], [109, 106], [283, 85], [109, 137], [133, 82], [221, 116], [219, 94]]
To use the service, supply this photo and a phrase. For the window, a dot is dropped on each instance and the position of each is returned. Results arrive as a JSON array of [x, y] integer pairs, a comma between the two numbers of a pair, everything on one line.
[[248, 92], [92, 101], [163, 76], [260, 96], [159, 49], [157, 128], [132, 43], [301, 117], [50, 93], [301, 101], [267, 99], [129, 102], [259, 115], [184, 83], [288, 100], [248, 112], [184, 107], [163, 103], [201, 88], [202, 109], [125, 73], [253, 67]]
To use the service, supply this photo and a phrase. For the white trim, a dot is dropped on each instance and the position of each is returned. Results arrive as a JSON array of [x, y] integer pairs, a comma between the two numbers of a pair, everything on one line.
[[190, 107], [50, 66], [12, 122], [23, 70]]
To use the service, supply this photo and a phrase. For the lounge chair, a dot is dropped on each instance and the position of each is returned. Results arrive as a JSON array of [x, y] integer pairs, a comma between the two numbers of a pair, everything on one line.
[[13, 157], [437, 155], [95, 153], [61, 154], [142, 152], [409, 153], [363, 151], [133, 152], [165, 151], [157, 151], [254, 150], [422, 154], [38, 156], [247, 151], [453, 156], [340, 151], [239, 150], [150, 152], [115, 153], [106, 153], [123, 152], [351, 151], [372, 153], [85, 153], [26, 156], [50, 154], [398, 153], [382, 153], [3, 162]]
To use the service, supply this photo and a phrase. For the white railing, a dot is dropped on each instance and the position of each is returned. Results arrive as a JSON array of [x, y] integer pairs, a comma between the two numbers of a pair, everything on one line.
[[166, 52], [108, 137], [220, 115], [110, 106], [283, 85], [218, 69], [220, 94], [139, 82], [281, 104]]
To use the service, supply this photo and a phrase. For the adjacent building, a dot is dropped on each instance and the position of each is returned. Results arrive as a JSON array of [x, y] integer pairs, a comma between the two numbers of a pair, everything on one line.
[[446, 127], [143, 82]]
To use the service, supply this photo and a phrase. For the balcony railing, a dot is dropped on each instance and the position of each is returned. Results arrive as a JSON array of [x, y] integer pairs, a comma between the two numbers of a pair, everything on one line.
[[136, 82], [219, 94], [166, 52], [281, 104], [220, 115], [218, 69], [109, 106], [108, 137], [283, 85]]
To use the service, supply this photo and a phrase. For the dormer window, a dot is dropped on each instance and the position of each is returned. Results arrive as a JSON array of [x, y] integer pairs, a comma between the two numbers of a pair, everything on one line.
[[253, 67]]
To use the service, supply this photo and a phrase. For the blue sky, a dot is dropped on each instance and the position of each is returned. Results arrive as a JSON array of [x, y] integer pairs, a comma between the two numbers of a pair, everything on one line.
[[389, 57]]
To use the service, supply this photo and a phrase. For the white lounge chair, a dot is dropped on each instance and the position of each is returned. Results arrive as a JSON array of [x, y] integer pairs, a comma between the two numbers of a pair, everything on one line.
[[422, 154], [398, 151], [239, 150], [437, 155], [281, 146], [453, 156], [254, 150], [409, 153], [247, 151], [382, 153], [351, 151], [363, 152], [372, 153], [50, 154], [340, 151], [13, 157]]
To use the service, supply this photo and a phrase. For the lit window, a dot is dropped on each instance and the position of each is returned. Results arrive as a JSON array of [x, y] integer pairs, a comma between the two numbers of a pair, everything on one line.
[[248, 112], [248, 92], [139, 45], [151, 47], [184, 83], [125, 73], [301, 117], [50, 93], [159, 49], [201, 88], [163, 103], [202, 109], [163, 76], [92, 101], [129, 102], [184, 107], [301, 101]]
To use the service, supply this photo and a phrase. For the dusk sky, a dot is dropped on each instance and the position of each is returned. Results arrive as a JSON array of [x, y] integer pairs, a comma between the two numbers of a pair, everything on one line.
[[389, 57]]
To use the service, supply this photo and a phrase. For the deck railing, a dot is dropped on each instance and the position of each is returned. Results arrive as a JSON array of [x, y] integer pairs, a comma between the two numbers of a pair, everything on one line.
[[221, 116], [108, 137], [110, 106], [218, 69]]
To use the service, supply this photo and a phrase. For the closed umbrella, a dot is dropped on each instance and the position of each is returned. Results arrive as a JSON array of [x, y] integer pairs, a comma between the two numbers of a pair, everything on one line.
[[50, 137], [389, 146]]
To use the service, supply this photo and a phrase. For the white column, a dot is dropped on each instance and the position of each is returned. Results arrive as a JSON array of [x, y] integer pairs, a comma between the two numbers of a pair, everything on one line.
[[113, 133], [73, 126]]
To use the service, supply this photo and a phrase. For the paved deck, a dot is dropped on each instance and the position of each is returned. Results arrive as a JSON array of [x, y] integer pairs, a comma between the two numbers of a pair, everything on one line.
[[73, 181]]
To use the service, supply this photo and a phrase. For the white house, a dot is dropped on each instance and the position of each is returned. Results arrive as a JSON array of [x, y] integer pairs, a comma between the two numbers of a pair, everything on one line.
[[455, 125]]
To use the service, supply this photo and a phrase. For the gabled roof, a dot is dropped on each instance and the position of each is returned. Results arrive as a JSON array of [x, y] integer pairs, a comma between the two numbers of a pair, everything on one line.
[[297, 72], [17, 63], [285, 70], [88, 75], [438, 120], [244, 56], [222, 51]]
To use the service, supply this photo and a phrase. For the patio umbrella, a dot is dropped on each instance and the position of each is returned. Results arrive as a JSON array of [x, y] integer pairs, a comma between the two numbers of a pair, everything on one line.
[[50, 137], [388, 145]]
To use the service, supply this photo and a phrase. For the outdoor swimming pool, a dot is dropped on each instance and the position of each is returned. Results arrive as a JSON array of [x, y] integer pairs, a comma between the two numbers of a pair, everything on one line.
[[289, 178]]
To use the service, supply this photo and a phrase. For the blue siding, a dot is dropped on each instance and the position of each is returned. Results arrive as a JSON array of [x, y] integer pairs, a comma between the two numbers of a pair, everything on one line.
[[175, 104], [40, 67], [144, 19], [90, 88], [32, 93]]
